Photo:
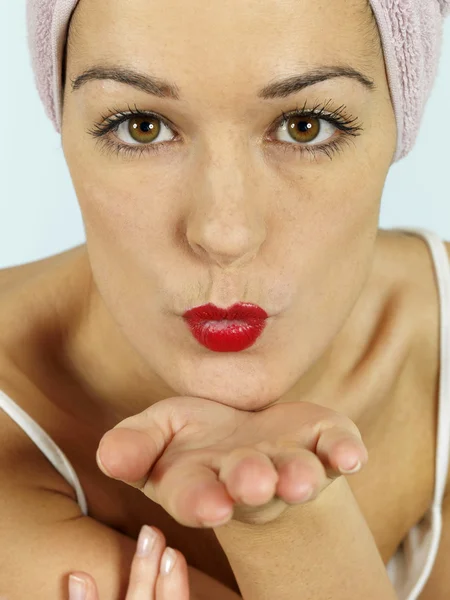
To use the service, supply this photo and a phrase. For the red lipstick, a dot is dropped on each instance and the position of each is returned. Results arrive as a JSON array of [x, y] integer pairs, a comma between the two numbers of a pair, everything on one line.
[[226, 329]]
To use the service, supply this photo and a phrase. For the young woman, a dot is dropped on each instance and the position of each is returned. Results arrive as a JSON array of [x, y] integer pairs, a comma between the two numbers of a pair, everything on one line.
[[229, 160]]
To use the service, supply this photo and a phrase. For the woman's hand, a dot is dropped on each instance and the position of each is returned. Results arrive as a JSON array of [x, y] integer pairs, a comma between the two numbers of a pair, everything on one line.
[[148, 580], [206, 463]]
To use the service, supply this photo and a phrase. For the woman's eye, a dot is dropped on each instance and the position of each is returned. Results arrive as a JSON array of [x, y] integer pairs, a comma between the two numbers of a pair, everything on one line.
[[142, 130], [300, 128], [305, 129]]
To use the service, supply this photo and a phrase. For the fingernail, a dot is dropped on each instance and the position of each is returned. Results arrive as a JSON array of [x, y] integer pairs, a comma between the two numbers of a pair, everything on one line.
[[77, 588], [167, 561], [100, 464], [348, 465], [217, 523], [308, 492], [223, 517], [146, 541]]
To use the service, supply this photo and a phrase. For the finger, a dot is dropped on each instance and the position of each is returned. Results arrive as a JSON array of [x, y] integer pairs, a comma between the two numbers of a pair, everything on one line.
[[249, 476], [340, 450], [191, 493], [301, 475], [129, 450], [145, 566], [129, 454], [82, 585], [173, 577]]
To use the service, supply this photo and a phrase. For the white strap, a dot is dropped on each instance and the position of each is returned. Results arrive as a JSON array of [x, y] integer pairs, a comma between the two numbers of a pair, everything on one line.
[[44, 442]]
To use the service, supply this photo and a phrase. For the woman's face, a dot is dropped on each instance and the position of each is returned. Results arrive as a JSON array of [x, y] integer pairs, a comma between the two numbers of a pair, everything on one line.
[[211, 198]]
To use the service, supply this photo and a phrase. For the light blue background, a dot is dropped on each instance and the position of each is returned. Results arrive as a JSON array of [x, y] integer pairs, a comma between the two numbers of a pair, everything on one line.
[[39, 214]]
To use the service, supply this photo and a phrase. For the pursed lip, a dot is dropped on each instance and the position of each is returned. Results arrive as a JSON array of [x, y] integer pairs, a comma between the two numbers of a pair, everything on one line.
[[241, 311]]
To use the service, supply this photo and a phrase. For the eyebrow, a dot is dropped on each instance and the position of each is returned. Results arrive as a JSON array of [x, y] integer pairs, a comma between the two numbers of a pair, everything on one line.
[[280, 88]]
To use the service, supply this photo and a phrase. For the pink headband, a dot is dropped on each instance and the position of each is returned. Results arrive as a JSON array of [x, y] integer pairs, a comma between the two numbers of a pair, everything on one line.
[[411, 35]]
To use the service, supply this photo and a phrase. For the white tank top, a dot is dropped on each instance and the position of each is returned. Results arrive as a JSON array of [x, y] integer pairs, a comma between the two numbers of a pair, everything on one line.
[[411, 566]]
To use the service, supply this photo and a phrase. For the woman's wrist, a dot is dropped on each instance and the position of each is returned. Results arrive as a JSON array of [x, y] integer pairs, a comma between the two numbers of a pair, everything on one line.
[[321, 549]]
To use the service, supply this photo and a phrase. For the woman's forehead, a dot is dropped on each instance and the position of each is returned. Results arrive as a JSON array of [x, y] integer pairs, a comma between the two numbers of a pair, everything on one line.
[[226, 29]]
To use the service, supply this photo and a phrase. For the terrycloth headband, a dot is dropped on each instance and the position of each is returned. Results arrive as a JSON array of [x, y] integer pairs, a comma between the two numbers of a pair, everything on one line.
[[410, 30]]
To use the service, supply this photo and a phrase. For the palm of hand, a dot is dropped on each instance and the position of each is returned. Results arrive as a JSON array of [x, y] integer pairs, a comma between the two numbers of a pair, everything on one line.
[[206, 463]]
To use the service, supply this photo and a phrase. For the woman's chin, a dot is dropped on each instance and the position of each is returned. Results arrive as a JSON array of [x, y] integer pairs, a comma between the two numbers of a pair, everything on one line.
[[247, 399]]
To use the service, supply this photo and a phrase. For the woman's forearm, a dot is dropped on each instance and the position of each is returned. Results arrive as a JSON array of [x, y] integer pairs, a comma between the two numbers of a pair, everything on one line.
[[322, 549]]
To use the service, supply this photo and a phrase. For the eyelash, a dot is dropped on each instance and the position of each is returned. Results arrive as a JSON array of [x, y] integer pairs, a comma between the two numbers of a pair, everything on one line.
[[337, 118]]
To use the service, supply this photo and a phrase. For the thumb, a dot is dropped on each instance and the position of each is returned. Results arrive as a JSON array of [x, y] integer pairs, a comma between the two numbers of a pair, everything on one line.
[[129, 450], [128, 454]]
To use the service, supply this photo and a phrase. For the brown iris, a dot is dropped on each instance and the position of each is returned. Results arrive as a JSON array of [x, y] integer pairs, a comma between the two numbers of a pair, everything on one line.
[[303, 129], [143, 129]]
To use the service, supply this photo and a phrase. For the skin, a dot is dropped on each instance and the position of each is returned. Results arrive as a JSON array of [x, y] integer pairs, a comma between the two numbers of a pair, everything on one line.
[[223, 215], [147, 576]]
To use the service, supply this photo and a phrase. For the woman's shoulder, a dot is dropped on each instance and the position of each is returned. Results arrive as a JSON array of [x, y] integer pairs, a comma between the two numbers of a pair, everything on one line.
[[22, 463], [29, 295], [11, 277], [422, 288], [34, 298], [426, 357]]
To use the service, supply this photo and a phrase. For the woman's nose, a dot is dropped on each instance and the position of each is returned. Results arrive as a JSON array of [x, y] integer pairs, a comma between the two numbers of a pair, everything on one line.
[[226, 235]]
